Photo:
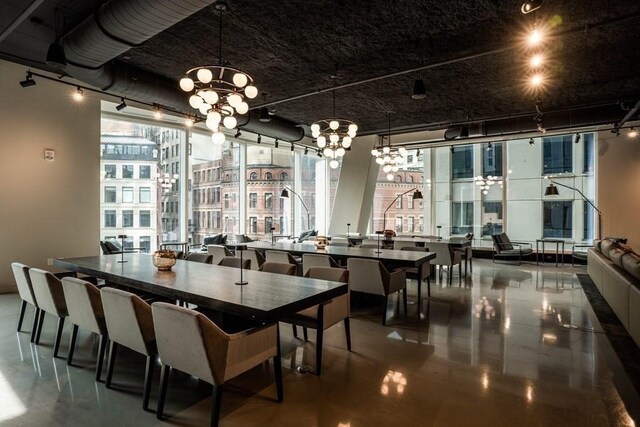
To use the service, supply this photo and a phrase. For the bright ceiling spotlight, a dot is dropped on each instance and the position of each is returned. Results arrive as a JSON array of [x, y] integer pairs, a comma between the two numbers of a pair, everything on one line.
[[536, 80], [157, 113], [188, 122], [536, 60], [78, 95], [535, 37], [633, 132], [530, 6]]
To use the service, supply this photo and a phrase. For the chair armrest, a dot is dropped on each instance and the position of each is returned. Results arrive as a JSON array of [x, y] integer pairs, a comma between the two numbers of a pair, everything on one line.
[[520, 243], [581, 246]]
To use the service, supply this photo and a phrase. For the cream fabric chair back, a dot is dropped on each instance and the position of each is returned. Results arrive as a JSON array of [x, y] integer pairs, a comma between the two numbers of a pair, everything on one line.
[[279, 268], [256, 258], [218, 252], [365, 275], [339, 241], [23, 281], [181, 334], [316, 260], [372, 242], [231, 261], [399, 244], [47, 290], [129, 320], [280, 256], [84, 305], [443, 253]]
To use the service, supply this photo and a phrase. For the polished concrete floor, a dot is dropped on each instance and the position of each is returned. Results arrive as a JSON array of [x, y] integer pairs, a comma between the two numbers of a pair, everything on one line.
[[510, 345]]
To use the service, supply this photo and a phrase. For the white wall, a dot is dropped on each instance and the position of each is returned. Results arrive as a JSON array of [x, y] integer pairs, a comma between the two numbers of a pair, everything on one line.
[[47, 209]]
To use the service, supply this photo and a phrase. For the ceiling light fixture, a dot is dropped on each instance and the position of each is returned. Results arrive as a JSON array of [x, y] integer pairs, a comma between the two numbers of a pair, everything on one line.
[[486, 183], [535, 37], [390, 158], [334, 135], [28, 81], [577, 138], [276, 143], [536, 60], [306, 150], [419, 90], [238, 134], [122, 105], [259, 139], [189, 122], [532, 142], [219, 92], [530, 6], [489, 146], [55, 54], [265, 117], [78, 95], [632, 133], [157, 113]]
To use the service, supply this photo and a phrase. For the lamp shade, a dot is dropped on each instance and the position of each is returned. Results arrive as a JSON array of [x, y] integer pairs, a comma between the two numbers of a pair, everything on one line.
[[419, 91], [284, 194], [417, 195], [264, 115], [55, 55], [551, 190]]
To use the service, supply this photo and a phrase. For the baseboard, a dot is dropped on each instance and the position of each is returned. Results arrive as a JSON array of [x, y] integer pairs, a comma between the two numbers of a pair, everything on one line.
[[8, 288]]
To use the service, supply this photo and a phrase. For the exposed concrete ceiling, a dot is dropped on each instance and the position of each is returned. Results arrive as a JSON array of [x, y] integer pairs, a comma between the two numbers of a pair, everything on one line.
[[292, 48]]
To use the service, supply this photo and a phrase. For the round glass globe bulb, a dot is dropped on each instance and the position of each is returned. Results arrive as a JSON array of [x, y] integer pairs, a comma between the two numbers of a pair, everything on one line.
[[186, 84], [204, 108], [214, 116], [230, 122], [195, 101], [333, 124], [334, 137], [229, 109], [380, 161], [340, 152], [251, 91], [374, 152], [386, 168], [210, 96], [389, 177], [322, 142], [386, 149], [242, 108], [315, 127], [328, 152], [346, 142], [386, 159], [333, 164], [353, 127], [240, 80], [218, 138], [315, 134], [234, 100], [204, 75], [352, 134]]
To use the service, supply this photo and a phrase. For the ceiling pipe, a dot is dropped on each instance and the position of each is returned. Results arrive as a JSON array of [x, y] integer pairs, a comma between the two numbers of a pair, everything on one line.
[[20, 19], [276, 127]]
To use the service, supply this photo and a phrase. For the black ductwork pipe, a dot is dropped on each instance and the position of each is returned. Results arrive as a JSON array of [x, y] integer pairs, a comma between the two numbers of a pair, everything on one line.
[[277, 127]]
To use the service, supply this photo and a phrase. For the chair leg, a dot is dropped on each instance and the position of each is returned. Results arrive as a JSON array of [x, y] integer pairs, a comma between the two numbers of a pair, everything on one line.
[[305, 334], [148, 378], [39, 331], [295, 330], [34, 327], [56, 344], [165, 372], [277, 368], [471, 264], [460, 271], [384, 310], [72, 344], [113, 348], [347, 332], [404, 300], [102, 346], [23, 308], [217, 402], [319, 333]]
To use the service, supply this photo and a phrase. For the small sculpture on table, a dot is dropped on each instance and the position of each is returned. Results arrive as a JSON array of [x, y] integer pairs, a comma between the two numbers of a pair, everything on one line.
[[164, 259], [320, 242]]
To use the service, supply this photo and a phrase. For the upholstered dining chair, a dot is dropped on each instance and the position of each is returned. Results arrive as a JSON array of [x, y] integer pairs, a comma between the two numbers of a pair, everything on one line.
[[371, 277], [25, 290], [317, 260], [279, 268], [339, 241], [214, 356], [282, 257], [412, 272], [130, 324], [399, 244], [504, 248], [218, 252], [446, 256], [231, 261], [47, 290], [199, 257], [85, 309], [257, 259], [333, 311]]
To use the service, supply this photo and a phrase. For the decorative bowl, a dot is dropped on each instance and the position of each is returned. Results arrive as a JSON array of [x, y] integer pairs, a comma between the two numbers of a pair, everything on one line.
[[163, 259], [320, 242]]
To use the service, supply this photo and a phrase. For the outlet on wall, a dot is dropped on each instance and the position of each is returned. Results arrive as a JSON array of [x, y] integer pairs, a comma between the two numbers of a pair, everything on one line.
[[49, 261]]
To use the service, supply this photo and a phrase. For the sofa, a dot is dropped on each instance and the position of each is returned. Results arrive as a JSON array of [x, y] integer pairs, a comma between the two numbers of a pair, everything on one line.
[[615, 269]]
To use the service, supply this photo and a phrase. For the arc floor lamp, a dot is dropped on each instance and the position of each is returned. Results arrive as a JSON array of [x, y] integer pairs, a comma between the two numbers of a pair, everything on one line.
[[552, 190], [285, 195], [417, 195]]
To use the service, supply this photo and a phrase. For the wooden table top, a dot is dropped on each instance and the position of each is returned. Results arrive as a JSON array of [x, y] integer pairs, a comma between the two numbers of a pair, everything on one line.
[[410, 258], [267, 296]]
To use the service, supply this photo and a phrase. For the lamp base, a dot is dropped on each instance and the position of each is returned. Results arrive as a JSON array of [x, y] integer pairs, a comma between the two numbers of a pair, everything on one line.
[[242, 283], [122, 260]]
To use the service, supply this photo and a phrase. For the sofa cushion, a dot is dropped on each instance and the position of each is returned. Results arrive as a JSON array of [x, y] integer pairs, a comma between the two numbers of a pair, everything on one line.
[[605, 246], [631, 264], [616, 253], [596, 244], [113, 247]]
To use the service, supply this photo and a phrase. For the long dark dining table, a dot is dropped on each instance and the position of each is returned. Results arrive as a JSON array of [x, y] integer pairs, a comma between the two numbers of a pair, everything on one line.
[[386, 256], [267, 296]]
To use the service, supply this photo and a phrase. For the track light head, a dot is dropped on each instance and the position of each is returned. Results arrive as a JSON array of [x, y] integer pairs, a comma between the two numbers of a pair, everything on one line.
[[632, 133], [419, 90], [78, 95], [276, 143], [238, 134], [306, 150], [259, 138], [532, 142], [122, 105], [28, 81], [530, 6], [577, 138]]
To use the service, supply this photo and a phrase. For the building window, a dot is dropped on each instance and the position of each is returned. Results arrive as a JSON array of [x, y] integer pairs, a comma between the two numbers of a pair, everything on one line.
[[558, 154], [589, 153], [492, 159], [253, 225], [398, 224], [145, 244], [398, 201], [411, 224], [145, 172], [268, 200], [268, 224], [109, 171], [127, 194], [268, 176], [109, 218], [558, 218], [491, 218], [127, 218], [226, 201], [109, 194], [145, 195], [462, 162], [589, 214], [461, 217], [253, 200], [145, 219], [127, 171], [253, 176], [281, 219], [410, 202], [284, 176], [398, 178]]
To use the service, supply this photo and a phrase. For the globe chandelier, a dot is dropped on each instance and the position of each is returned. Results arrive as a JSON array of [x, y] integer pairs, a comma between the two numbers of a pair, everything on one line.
[[389, 157], [486, 183], [219, 92], [334, 136], [166, 181]]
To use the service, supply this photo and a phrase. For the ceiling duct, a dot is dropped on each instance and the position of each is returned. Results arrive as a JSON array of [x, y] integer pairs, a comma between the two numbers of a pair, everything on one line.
[[277, 127]]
